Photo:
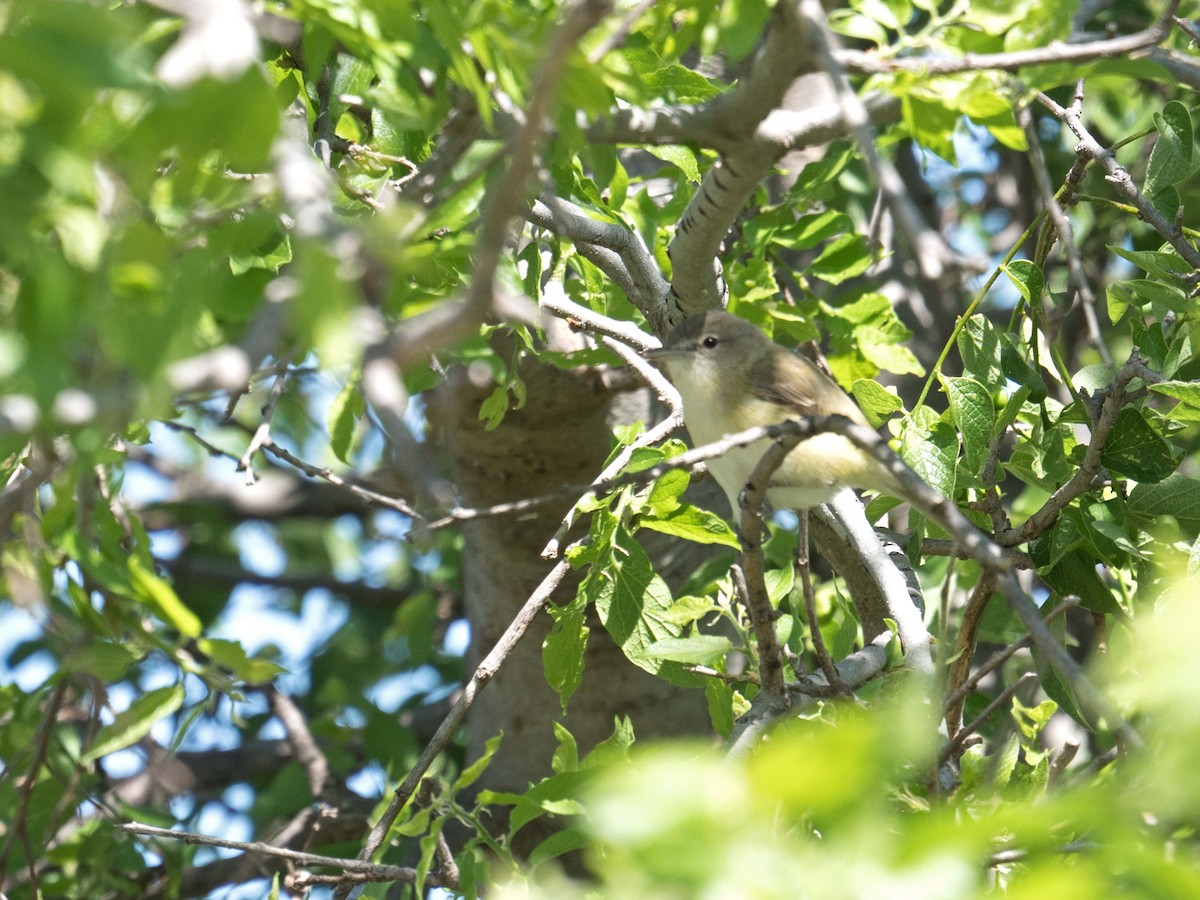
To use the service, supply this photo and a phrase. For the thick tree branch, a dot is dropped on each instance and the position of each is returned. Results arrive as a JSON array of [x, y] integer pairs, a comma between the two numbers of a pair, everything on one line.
[[633, 269], [696, 282]]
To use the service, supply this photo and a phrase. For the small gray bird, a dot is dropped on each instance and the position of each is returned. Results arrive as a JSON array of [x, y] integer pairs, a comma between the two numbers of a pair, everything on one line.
[[733, 377]]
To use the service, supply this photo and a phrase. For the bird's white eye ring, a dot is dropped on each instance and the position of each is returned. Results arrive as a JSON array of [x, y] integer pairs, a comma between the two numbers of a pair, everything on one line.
[[709, 342]]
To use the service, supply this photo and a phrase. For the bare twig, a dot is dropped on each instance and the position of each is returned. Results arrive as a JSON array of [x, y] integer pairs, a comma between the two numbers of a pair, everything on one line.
[[1057, 52], [300, 739], [19, 831], [961, 691], [1066, 237], [617, 250], [369, 870], [810, 608], [371, 498], [1118, 176], [263, 433], [750, 528], [555, 299], [956, 742], [609, 478], [1114, 398], [484, 673]]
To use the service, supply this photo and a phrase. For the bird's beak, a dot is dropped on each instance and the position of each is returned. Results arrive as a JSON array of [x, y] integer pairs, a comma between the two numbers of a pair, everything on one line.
[[663, 353]]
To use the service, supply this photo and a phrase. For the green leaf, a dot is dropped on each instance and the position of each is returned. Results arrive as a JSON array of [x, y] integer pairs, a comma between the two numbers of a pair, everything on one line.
[[1027, 278], [615, 747], [975, 415], [106, 661], [1186, 392], [808, 231], [885, 349], [1136, 450], [1160, 295], [471, 773], [633, 602], [693, 524], [231, 655], [162, 600], [1057, 688], [930, 122], [877, 402], [698, 650], [345, 411], [663, 499], [821, 171], [979, 345], [566, 754], [1176, 495], [1163, 264], [493, 409], [681, 157], [1076, 574], [563, 650], [571, 839], [1119, 299], [135, 723], [891, 14], [1171, 158], [855, 25], [686, 610], [930, 448], [719, 696], [843, 258]]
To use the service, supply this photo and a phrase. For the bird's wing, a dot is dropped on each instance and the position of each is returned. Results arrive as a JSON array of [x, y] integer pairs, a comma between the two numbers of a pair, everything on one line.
[[795, 382]]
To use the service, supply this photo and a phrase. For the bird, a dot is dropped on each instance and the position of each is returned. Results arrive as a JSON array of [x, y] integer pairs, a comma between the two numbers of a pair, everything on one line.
[[732, 377]]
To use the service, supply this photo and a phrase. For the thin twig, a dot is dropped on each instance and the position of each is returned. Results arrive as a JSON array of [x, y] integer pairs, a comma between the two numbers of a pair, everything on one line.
[[555, 299], [996, 660], [1112, 48], [371, 498], [750, 529], [810, 608], [1118, 176], [1066, 237], [1114, 398], [19, 830], [483, 674], [956, 743], [374, 871], [263, 433], [300, 739]]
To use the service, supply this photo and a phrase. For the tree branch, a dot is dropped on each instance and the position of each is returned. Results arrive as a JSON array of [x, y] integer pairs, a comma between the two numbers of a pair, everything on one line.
[[370, 870], [1112, 48], [1114, 398], [484, 673], [1121, 180]]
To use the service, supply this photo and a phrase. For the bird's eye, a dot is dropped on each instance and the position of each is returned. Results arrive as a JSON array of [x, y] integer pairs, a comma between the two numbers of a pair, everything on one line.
[[709, 342]]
